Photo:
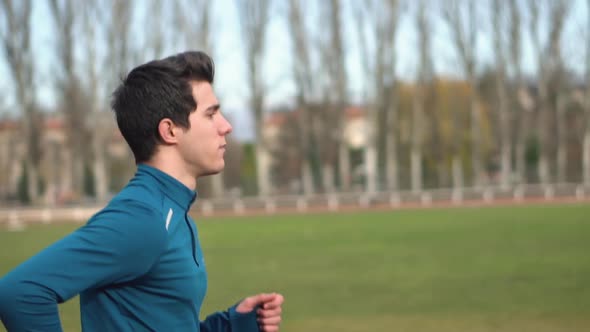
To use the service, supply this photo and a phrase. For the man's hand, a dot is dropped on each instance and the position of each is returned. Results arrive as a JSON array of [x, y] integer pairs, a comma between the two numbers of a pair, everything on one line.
[[269, 311]]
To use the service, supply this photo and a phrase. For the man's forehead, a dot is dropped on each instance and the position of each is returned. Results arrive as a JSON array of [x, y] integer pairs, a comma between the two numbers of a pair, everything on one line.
[[203, 91], [201, 85]]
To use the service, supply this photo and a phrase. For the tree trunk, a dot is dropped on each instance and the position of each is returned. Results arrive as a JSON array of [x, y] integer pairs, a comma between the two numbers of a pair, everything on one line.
[[515, 59], [344, 163], [391, 160], [305, 132], [391, 148], [549, 61], [505, 141], [505, 165], [78, 167], [336, 52], [464, 32], [502, 49], [15, 170], [416, 165], [586, 157], [370, 157], [586, 141], [520, 151], [67, 173], [33, 134], [262, 161], [442, 174], [543, 169], [561, 139], [99, 169], [457, 172], [476, 141], [33, 177], [328, 177], [416, 149], [254, 16], [307, 177], [371, 165], [16, 44]]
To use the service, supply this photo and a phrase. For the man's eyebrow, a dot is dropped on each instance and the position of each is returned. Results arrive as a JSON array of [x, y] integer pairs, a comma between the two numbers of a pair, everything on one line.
[[215, 107]]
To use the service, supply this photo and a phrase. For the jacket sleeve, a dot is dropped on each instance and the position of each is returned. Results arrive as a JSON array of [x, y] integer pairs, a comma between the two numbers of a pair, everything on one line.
[[230, 321], [118, 244]]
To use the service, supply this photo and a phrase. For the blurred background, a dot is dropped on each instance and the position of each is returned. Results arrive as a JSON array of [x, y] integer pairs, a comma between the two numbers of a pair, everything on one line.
[[324, 96], [337, 106]]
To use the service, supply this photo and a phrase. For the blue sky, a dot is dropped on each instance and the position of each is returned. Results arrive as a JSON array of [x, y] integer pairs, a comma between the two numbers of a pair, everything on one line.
[[229, 55]]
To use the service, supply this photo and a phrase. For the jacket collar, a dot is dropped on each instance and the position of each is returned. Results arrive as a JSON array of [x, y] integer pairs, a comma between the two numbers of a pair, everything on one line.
[[170, 186]]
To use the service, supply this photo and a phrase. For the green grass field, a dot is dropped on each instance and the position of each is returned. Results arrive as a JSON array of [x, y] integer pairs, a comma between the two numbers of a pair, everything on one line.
[[487, 269]]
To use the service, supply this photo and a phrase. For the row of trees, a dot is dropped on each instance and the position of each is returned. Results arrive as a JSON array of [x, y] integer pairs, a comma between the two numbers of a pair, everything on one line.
[[96, 42], [507, 120]]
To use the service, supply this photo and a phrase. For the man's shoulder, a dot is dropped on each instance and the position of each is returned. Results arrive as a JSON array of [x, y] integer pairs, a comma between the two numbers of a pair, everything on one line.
[[133, 203], [132, 216], [141, 194]]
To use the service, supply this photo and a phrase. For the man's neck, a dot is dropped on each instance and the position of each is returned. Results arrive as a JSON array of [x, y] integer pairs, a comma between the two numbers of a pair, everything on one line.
[[173, 168]]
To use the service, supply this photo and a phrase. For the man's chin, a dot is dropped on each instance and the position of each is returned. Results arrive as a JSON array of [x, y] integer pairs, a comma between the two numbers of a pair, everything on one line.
[[213, 171]]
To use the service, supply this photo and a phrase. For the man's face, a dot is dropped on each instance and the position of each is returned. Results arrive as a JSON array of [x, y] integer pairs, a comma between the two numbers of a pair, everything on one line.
[[202, 146]]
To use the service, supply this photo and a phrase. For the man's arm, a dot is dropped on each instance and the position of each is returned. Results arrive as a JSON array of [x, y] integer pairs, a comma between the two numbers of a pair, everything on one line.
[[117, 245], [256, 313], [230, 321]]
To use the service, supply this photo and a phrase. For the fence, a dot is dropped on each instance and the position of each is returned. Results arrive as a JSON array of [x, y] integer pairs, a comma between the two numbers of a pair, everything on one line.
[[16, 218]]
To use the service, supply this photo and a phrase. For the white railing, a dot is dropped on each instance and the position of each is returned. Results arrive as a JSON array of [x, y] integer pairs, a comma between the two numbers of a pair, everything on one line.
[[17, 217]]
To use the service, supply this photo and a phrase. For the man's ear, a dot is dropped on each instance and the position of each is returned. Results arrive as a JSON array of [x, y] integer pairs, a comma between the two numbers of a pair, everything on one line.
[[168, 131]]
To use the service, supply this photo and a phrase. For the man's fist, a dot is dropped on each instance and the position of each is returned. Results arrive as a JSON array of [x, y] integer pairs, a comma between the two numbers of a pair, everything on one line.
[[268, 312]]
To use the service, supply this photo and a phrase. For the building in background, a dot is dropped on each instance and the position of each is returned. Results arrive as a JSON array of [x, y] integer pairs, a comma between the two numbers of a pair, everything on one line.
[[283, 156], [55, 166]]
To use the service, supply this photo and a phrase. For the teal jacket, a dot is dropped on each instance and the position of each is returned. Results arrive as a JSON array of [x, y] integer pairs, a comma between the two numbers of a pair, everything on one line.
[[137, 265]]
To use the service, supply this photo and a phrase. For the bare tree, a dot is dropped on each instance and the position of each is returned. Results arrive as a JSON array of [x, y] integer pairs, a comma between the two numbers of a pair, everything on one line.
[[436, 145], [560, 88], [156, 23], [586, 142], [562, 100], [94, 22], [499, 19], [304, 81], [122, 51], [193, 24], [254, 17], [370, 156], [17, 46], [331, 74], [515, 58], [548, 60], [388, 36], [425, 75], [463, 26], [378, 20], [68, 85], [111, 20], [339, 85]]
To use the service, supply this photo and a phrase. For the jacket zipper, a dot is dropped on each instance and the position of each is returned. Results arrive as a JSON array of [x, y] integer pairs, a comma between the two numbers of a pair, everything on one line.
[[194, 245]]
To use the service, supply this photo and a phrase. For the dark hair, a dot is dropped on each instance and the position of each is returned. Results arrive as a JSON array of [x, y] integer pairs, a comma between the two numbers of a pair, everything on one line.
[[157, 90]]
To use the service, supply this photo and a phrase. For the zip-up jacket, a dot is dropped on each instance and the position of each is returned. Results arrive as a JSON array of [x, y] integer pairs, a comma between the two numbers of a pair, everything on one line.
[[137, 265]]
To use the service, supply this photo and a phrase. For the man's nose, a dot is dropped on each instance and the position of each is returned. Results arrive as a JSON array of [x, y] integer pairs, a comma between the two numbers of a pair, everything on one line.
[[226, 127]]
